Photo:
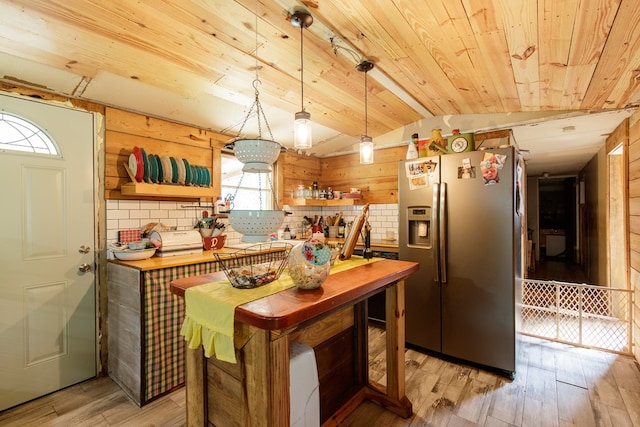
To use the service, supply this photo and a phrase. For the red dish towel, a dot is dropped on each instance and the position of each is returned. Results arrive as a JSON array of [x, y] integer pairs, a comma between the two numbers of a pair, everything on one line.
[[128, 236]]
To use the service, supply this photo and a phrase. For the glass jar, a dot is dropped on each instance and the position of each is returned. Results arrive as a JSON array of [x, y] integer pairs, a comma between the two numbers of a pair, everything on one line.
[[300, 192], [309, 264]]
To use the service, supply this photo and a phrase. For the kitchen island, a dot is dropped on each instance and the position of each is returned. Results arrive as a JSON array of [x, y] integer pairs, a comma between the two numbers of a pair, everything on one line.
[[332, 320]]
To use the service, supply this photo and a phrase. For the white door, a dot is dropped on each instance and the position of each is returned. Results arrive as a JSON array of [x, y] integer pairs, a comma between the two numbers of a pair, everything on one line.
[[47, 303]]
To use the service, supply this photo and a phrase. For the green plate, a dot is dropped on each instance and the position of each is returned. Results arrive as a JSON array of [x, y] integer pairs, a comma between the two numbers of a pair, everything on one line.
[[160, 169], [153, 168], [145, 160], [195, 180], [174, 169], [187, 172]]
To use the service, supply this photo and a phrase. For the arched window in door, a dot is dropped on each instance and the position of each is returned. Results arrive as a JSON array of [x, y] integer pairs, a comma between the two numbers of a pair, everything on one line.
[[19, 134]]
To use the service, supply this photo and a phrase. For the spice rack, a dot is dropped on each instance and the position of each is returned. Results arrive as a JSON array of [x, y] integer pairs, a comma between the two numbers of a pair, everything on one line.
[[135, 188]]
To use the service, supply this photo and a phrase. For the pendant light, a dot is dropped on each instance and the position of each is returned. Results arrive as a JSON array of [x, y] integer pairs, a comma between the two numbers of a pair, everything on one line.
[[302, 123], [366, 142]]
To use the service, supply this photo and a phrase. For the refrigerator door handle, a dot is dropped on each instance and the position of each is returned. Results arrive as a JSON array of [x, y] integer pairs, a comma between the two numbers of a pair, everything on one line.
[[434, 231], [442, 232]]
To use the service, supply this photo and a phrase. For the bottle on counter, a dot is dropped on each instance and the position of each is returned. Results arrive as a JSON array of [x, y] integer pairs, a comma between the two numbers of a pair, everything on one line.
[[341, 228], [286, 234]]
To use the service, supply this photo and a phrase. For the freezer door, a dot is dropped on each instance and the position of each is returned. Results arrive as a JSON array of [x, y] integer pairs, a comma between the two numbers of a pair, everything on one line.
[[422, 291], [478, 320]]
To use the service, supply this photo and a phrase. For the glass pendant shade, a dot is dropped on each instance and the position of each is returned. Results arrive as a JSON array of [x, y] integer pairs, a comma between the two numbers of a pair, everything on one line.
[[366, 150], [302, 131]]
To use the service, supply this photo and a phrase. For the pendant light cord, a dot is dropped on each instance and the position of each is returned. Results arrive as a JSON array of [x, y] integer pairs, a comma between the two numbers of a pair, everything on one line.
[[366, 111], [256, 52], [301, 67], [256, 103]]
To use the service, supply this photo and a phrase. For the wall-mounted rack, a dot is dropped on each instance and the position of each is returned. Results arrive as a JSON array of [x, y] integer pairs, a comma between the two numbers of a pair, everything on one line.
[[135, 188]]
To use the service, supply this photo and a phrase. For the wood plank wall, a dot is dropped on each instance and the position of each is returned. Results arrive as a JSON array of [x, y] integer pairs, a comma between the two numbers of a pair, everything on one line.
[[634, 224], [124, 130], [378, 182]]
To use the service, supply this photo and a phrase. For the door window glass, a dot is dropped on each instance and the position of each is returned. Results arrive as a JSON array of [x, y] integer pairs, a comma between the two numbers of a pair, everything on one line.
[[18, 134]]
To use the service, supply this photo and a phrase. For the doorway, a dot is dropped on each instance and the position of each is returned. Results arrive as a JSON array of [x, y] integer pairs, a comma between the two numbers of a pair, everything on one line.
[[557, 218], [617, 214]]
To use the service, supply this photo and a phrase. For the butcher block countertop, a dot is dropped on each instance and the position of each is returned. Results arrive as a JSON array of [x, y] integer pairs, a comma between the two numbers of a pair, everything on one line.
[[157, 262]]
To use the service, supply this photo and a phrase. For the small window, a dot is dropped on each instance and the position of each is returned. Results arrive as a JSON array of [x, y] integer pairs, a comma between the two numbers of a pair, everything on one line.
[[18, 134], [251, 191]]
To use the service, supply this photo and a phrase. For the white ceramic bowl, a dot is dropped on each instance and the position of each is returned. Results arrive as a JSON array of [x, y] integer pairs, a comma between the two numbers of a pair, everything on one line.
[[261, 151], [134, 255], [255, 226]]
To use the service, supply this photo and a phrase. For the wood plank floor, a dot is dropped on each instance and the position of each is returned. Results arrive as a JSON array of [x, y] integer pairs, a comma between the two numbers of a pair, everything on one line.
[[560, 270], [555, 385]]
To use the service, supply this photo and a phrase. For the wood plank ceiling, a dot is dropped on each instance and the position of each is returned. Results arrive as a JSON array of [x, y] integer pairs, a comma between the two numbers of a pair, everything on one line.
[[452, 57]]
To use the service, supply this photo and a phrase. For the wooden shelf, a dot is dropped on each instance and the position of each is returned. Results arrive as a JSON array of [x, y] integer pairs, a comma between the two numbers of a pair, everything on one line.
[[165, 190], [135, 188], [323, 202]]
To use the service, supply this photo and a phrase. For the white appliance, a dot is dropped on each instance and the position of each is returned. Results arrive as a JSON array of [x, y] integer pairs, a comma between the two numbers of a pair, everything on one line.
[[171, 243]]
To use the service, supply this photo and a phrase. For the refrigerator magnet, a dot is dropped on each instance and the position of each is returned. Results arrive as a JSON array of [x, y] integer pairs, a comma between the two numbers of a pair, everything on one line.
[[419, 172], [466, 171], [421, 167], [491, 164]]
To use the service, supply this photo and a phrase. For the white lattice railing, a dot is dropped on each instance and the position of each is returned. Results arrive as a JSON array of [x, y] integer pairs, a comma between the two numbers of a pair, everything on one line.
[[585, 315]]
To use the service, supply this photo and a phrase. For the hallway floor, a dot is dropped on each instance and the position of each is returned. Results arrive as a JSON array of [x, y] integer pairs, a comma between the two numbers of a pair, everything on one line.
[[560, 270]]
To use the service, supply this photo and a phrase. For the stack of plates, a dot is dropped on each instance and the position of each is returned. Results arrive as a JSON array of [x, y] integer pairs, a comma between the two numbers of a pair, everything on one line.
[[154, 169]]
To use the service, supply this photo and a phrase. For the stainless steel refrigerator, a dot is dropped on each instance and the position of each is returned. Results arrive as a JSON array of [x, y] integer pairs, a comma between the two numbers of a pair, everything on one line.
[[462, 223]]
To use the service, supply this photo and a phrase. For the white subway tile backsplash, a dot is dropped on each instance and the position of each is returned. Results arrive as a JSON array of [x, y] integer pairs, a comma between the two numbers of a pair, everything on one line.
[[178, 214], [118, 214], [125, 214], [158, 214], [139, 214], [125, 224], [129, 204], [112, 204], [144, 204]]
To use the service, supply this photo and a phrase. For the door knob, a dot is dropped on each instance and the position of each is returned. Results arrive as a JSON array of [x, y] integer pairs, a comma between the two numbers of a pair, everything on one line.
[[84, 249], [84, 267]]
